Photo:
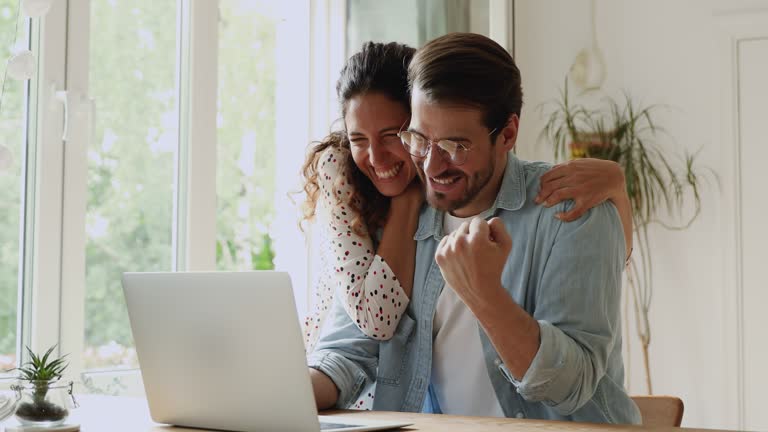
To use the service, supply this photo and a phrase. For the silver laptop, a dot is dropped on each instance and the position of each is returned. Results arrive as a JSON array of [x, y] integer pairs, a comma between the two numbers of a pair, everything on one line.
[[224, 351]]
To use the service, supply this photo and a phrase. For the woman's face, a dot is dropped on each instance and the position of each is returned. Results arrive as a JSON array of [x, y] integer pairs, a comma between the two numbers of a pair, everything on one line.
[[373, 121]]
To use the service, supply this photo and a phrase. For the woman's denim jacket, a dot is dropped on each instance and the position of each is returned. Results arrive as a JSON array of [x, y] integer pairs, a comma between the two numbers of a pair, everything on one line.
[[566, 275]]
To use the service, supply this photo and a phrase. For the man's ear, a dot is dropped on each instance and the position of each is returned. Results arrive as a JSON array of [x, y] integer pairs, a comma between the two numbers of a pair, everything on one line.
[[509, 132]]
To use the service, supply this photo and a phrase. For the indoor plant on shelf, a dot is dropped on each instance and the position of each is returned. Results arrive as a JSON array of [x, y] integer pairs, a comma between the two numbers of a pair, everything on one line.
[[42, 399], [656, 177]]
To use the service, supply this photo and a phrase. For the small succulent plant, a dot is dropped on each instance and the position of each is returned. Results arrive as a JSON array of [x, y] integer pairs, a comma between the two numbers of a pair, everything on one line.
[[40, 368], [41, 372]]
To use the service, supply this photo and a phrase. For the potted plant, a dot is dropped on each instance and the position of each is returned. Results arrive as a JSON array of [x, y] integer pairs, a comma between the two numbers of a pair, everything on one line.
[[42, 399], [657, 178]]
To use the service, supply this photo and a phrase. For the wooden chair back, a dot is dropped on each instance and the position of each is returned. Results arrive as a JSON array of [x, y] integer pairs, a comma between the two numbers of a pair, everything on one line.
[[660, 410]]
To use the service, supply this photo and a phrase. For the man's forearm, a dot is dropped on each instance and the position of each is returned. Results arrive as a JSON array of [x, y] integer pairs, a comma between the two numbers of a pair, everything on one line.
[[326, 393], [512, 331]]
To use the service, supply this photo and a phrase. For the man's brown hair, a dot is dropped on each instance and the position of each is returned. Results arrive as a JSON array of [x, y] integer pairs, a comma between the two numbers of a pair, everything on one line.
[[469, 69]]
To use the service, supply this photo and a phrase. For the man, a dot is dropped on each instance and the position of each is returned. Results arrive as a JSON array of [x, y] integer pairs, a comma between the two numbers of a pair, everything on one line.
[[517, 316]]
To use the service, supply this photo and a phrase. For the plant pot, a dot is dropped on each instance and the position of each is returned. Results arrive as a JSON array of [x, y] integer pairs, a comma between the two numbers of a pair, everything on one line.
[[593, 145], [43, 403]]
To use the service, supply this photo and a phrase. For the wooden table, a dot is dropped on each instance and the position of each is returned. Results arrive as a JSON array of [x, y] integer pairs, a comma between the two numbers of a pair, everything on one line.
[[120, 414]]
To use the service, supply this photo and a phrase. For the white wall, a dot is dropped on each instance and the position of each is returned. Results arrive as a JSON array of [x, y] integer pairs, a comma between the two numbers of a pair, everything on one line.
[[677, 53]]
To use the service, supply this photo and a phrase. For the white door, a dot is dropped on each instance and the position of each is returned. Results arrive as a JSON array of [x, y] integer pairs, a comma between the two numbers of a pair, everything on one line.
[[752, 71], [743, 62]]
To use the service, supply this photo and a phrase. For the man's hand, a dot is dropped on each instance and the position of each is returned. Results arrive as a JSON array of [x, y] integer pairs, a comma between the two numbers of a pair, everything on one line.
[[472, 259]]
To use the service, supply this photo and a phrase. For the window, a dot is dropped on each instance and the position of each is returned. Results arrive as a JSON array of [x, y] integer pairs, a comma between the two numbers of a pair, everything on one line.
[[15, 180], [262, 121], [245, 123], [131, 164], [146, 182]]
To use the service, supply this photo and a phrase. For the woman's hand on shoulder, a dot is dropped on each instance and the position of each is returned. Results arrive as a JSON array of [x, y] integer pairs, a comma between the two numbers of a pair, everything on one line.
[[588, 182]]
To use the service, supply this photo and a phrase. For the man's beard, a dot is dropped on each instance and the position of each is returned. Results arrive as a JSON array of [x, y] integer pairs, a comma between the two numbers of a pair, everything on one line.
[[477, 182]]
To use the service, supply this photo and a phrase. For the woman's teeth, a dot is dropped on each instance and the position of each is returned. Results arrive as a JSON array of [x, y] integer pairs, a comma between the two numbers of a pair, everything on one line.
[[388, 174]]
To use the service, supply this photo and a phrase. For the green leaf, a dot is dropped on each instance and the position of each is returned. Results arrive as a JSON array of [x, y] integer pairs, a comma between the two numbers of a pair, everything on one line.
[[39, 368]]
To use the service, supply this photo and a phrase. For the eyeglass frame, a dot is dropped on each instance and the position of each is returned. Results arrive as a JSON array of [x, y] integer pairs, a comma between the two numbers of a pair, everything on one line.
[[445, 154]]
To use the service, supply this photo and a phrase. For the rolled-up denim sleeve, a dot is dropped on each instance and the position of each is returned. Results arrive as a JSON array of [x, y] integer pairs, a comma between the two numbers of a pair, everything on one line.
[[577, 308], [346, 355]]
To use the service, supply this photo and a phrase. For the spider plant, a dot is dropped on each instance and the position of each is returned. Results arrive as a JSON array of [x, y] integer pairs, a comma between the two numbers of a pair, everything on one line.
[[656, 177]]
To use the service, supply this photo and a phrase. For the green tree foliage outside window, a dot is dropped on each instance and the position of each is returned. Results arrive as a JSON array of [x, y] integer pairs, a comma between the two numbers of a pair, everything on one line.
[[131, 157]]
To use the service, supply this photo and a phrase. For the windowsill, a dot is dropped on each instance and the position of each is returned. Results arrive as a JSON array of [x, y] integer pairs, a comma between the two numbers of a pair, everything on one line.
[[125, 382]]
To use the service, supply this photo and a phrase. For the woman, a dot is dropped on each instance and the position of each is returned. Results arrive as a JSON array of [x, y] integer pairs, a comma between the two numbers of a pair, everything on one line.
[[364, 180]]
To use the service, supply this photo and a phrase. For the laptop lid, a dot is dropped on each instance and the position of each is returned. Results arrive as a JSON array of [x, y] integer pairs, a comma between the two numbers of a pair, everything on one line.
[[221, 350]]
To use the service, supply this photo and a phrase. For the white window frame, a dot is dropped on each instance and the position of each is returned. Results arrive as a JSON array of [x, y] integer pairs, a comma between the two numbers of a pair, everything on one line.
[[74, 200], [195, 213], [41, 305]]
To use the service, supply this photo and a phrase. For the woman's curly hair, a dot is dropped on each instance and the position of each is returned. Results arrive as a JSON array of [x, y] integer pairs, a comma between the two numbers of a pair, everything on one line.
[[377, 67]]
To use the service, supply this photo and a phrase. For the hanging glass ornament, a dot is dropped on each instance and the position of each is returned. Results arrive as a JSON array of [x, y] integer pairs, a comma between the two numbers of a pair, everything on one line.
[[22, 65]]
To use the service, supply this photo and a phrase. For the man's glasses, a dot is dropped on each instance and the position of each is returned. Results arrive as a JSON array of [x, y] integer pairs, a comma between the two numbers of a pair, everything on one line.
[[419, 146]]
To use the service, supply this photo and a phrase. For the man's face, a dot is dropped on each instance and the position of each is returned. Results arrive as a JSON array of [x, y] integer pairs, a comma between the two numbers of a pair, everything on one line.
[[470, 188]]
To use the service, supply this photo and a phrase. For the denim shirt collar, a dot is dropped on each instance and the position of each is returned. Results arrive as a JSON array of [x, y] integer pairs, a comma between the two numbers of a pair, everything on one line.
[[511, 197]]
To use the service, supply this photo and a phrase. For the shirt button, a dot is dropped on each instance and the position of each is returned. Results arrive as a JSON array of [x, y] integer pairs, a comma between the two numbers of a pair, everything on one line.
[[520, 415], [497, 362]]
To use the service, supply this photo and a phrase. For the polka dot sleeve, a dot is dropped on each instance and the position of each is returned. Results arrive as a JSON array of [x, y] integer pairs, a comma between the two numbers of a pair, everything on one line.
[[372, 295]]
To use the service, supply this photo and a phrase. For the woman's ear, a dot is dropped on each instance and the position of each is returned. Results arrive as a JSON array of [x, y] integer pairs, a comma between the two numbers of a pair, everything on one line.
[[509, 132]]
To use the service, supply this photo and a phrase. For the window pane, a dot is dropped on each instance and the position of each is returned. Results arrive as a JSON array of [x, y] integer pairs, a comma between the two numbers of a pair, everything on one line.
[[246, 133], [131, 159], [412, 22], [12, 154]]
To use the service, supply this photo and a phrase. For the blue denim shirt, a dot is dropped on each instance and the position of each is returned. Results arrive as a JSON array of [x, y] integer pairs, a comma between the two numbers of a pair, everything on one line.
[[566, 275]]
